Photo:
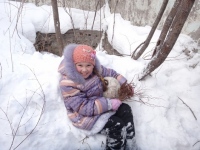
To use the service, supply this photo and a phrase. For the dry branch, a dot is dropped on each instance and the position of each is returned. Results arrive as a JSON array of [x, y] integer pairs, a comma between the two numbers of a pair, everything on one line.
[[189, 108], [137, 48], [126, 91], [15, 131], [132, 92], [196, 143], [42, 110], [72, 22], [18, 17], [10, 123], [11, 56]]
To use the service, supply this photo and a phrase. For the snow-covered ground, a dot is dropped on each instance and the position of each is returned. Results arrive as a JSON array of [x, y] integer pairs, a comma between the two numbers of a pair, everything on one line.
[[166, 106]]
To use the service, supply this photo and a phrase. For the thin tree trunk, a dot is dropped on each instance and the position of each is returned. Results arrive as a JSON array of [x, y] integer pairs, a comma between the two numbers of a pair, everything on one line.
[[70, 15], [114, 23], [67, 8], [167, 25], [174, 31], [57, 26], [155, 24], [95, 15]]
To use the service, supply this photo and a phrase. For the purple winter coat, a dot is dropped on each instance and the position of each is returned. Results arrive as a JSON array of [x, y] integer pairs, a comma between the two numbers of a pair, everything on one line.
[[83, 98]]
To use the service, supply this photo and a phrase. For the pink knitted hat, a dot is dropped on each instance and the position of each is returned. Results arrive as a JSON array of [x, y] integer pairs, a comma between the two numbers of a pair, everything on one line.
[[84, 53]]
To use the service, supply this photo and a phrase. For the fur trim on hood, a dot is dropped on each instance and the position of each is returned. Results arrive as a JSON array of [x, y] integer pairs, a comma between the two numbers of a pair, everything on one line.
[[68, 68]]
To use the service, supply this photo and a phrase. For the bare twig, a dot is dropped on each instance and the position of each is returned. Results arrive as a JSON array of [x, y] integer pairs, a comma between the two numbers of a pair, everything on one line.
[[10, 123], [130, 44], [194, 65], [72, 22], [12, 20], [137, 48], [196, 143], [147, 55], [189, 108], [11, 53], [83, 141], [18, 102], [141, 96], [18, 17], [15, 131], [86, 16], [148, 104], [42, 111], [28, 119], [174, 58]]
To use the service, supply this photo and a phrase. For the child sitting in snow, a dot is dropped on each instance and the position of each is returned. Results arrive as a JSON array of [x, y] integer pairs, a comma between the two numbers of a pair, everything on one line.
[[82, 86]]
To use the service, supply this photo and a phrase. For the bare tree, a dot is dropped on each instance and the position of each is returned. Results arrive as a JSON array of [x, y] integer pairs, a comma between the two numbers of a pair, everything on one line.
[[95, 15], [167, 25], [180, 17], [64, 5], [57, 26], [145, 44]]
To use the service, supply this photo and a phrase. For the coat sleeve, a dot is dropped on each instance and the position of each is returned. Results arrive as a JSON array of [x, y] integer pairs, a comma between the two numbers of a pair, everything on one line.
[[107, 72], [77, 101]]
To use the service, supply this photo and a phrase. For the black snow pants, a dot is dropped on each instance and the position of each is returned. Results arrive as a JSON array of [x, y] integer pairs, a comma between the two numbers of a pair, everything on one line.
[[119, 127]]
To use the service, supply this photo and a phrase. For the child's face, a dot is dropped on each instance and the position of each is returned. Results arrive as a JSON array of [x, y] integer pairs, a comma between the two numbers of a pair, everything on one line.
[[85, 69]]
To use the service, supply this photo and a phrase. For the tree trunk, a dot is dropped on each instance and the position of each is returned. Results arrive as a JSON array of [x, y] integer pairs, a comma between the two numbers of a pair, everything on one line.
[[167, 25], [57, 26], [147, 41], [95, 15], [176, 27]]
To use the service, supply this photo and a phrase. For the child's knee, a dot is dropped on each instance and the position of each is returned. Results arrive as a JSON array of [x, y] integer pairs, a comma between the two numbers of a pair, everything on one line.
[[125, 106]]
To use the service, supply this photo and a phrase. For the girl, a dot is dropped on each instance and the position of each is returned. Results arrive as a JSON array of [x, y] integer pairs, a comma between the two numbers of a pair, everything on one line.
[[82, 88]]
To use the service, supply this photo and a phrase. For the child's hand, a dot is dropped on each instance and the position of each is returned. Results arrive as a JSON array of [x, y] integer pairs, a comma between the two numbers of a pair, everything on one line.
[[115, 103]]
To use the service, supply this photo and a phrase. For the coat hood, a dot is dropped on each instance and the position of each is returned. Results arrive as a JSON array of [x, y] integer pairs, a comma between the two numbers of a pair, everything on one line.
[[68, 68]]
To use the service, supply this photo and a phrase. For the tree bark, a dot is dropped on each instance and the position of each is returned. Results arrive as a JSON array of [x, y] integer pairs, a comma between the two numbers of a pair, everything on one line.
[[155, 24], [167, 25], [95, 15], [173, 33], [57, 26]]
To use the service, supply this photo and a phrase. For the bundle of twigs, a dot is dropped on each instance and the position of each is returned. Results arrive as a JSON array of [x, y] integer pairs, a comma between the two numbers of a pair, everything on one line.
[[126, 91]]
